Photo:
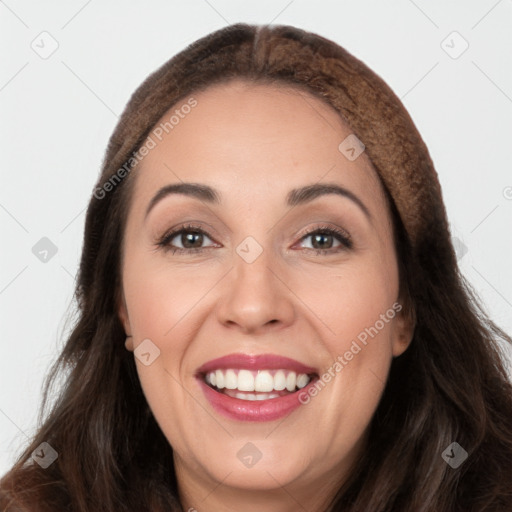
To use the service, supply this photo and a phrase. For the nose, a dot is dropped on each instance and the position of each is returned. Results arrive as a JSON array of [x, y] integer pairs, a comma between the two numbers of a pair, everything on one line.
[[255, 296]]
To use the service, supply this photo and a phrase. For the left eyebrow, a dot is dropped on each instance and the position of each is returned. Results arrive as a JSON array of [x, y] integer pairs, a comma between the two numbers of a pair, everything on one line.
[[308, 193]]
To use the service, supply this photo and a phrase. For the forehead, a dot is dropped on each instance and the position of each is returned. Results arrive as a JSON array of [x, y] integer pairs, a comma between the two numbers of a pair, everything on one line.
[[256, 138]]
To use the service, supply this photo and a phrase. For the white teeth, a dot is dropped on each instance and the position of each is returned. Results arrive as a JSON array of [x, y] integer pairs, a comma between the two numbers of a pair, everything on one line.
[[219, 378], [279, 380], [230, 380], [302, 380], [291, 381], [252, 397], [245, 380], [260, 381], [263, 382]]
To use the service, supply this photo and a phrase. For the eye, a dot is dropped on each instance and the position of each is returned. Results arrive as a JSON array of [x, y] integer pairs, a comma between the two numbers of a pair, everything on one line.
[[190, 237], [323, 238]]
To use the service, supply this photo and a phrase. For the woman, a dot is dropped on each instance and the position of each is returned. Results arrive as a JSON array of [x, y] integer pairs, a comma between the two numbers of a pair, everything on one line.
[[271, 312]]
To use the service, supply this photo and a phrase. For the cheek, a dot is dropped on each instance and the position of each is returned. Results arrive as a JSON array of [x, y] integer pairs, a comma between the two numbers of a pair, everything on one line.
[[356, 307], [159, 298], [161, 303], [351, 299]]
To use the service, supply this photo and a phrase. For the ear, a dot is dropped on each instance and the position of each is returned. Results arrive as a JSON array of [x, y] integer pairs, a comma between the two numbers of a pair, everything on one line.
[[403, 330], [123, 316]]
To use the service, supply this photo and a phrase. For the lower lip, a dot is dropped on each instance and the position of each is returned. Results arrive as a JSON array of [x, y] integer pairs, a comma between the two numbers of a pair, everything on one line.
[[253, 410]]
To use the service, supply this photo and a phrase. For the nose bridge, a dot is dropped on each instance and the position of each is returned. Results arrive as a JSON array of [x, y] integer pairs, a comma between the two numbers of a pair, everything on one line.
[[254, 296], [252, 265], [253, 271]]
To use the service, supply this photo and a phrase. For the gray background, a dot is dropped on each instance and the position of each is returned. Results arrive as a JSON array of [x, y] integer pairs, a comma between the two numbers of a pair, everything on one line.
[[59, 110]]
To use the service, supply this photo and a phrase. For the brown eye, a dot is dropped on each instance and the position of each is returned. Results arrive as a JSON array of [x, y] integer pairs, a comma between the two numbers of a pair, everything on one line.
[[323, 240], [191, 239]]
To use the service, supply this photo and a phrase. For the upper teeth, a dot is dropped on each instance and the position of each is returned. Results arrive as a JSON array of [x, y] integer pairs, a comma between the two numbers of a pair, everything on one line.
[[260, 380]]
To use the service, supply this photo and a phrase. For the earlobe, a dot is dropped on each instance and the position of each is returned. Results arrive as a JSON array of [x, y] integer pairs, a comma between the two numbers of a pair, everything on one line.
[[405, 324], [129, 343]]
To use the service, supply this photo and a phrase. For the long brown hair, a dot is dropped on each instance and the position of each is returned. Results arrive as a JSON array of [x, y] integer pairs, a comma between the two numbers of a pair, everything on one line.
[[451, 384]]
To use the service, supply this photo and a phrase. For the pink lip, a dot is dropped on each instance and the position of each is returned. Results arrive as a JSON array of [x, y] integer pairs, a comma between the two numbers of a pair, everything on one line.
[[255, 362], [258, 410], [261, 410]]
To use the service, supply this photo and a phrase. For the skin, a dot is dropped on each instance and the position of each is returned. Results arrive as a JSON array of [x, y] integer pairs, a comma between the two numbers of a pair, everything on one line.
[[253, 143]]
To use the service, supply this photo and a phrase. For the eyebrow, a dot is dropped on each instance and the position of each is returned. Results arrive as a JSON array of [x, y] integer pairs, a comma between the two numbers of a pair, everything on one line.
[[295, 197]]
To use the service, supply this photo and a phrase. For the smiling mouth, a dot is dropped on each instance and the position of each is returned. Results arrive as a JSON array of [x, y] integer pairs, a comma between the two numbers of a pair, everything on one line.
[[254, 385]]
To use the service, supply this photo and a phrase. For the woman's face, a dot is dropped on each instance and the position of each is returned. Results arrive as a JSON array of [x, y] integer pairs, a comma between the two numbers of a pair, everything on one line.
[[249, 285]]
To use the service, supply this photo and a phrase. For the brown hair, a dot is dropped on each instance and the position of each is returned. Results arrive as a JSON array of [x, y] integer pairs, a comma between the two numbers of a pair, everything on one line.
[[451, 385]]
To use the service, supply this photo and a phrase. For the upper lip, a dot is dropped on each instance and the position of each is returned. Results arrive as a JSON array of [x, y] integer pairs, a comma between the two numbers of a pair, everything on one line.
[[255, 362]]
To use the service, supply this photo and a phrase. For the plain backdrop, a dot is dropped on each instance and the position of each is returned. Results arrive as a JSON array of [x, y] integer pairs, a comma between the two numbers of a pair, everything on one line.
[[68, 69]]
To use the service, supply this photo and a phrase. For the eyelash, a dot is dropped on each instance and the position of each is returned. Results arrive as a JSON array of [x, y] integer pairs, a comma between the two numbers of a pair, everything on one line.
[[342, 236]]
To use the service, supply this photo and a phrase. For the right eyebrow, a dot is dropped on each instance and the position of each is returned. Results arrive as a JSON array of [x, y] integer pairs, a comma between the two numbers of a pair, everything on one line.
[[202, 192]]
